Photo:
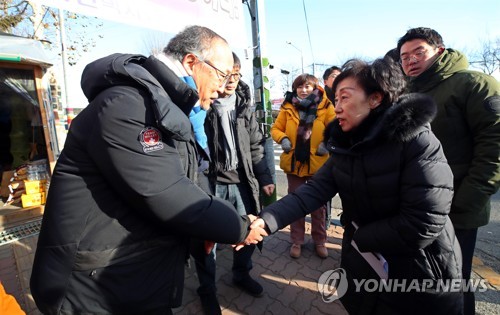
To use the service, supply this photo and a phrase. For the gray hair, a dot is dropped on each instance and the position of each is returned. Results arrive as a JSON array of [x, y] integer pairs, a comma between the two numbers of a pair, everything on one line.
[[193, 39]]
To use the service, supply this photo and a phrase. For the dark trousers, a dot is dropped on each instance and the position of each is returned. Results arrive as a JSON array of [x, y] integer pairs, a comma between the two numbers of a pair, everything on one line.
[[241, 198], [467, 240], [205, 265]]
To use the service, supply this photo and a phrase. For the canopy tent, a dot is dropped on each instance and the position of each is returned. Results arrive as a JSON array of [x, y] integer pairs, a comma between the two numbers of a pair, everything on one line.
[[19, 49]]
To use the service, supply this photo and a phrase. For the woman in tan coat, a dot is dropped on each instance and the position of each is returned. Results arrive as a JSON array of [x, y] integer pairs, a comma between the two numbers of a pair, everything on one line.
[[299, 129]]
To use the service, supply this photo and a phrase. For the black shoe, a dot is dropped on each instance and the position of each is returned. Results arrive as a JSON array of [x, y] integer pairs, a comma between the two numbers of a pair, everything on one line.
[[250, 286], [210, 304]]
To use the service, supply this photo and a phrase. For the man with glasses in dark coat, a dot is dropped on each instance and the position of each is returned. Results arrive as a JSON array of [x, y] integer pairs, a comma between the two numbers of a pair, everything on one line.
[[468, 126], [123, 203]]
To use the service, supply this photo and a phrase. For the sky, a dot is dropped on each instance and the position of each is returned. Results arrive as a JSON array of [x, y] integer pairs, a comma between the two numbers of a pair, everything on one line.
[[367, 29], [338, 30]]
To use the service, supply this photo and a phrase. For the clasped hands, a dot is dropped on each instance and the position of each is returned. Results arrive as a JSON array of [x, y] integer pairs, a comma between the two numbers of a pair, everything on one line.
[[257, 232]]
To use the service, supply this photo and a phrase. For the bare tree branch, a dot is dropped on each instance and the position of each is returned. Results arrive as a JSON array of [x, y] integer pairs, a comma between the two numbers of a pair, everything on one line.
[[487, 57], [32, 20]]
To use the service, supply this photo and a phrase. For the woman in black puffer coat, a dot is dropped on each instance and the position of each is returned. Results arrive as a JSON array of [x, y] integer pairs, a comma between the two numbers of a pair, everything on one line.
[[395, 184]]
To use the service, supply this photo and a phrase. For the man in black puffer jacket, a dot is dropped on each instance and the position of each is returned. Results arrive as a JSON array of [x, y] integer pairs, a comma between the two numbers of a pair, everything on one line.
[[123, 204]]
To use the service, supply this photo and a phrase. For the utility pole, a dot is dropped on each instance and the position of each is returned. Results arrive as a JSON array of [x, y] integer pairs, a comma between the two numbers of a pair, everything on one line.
[[301, 55], [263, 107], [62, 34]]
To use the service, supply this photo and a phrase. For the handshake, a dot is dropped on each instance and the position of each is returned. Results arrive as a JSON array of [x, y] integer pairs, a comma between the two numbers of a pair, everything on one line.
[[256, 234]]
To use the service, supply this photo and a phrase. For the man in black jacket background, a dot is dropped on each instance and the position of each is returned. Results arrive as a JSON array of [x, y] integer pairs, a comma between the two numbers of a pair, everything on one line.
[[123, 204]]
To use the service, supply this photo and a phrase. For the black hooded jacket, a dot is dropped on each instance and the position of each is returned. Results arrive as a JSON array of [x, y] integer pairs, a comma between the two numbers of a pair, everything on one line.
[[122, 204], [395, 183]]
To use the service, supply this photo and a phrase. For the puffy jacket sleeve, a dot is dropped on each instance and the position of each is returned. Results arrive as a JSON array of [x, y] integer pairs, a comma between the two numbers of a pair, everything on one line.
[[154, 183], [258, 153], [483, 177], [425, 198], [279, 127], [306, 199]]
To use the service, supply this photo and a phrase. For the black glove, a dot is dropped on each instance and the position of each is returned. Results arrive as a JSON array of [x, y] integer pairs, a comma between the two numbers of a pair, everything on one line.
[[286, 145]]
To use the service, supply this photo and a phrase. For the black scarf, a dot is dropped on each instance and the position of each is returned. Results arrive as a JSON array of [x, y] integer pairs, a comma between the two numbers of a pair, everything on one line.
[[307, 109]]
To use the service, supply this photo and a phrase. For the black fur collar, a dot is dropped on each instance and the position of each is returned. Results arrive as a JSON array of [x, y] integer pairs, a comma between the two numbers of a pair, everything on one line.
[[404, 119], [400, 122]]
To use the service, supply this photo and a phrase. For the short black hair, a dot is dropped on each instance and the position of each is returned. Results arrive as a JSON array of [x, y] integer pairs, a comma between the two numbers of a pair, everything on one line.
[[329, 71], [428, 34], [383, 75], [393, 54]]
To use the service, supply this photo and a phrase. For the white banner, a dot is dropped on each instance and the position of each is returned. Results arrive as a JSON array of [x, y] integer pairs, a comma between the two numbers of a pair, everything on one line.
[[170, 16]]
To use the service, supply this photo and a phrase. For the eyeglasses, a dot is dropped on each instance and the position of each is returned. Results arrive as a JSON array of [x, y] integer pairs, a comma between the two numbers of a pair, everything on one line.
[[236, 76], [223, 78], [417, 56]]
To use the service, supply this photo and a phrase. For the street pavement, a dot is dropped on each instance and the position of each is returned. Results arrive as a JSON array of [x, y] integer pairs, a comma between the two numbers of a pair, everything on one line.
[[290, 285], [486, 264]]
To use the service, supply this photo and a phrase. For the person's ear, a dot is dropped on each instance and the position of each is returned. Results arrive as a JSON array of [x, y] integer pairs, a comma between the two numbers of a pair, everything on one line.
[[441, 50], [188, 63], [375, 99]]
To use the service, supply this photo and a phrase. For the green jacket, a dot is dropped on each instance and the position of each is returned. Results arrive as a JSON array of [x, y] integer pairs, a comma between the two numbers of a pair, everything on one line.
[[468, 126]]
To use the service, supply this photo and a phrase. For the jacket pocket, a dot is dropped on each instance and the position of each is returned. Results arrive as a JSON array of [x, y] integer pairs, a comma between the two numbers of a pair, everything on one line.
[[156, 276], [414, 266], [286, 161], [85, 260]]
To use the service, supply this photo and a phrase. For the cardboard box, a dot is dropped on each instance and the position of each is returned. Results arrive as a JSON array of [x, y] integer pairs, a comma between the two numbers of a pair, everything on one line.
[[34, 186], [33, 199]]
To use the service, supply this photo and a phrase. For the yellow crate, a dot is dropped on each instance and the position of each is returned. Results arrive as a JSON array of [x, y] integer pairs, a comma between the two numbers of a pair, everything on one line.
[[33, 199], [34, 186]]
